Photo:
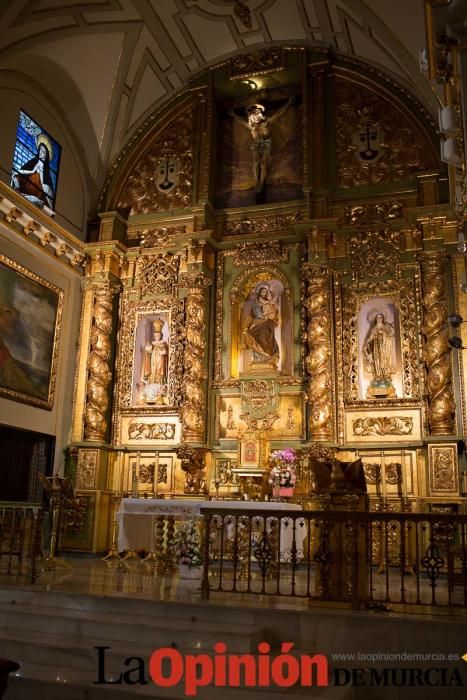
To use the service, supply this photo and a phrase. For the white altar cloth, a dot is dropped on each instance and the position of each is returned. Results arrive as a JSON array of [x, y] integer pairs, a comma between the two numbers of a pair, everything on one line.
[[136, 518]]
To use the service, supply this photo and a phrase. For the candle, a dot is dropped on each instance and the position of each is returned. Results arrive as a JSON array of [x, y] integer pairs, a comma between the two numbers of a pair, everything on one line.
[[403, 475], [156, 474], [383, 477]]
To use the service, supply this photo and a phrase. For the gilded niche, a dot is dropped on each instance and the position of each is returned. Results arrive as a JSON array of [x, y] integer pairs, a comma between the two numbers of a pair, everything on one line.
[[380, 341], [162, 178], [261, 323], [376, 142]]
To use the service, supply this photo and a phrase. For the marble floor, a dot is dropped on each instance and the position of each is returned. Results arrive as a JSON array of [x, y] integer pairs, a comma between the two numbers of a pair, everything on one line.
[[131, 578]]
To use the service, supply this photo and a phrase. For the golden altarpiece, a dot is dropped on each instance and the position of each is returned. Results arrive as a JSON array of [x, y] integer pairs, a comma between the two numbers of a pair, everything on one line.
[[274, 265]]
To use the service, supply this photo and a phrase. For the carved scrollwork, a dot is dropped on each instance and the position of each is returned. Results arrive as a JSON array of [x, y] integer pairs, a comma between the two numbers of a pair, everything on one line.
[[265, 224], [225, 474], [436, 349], [193, 392], [151, 431], [260, 253], [258, 393], [260, 424], [375, 253], [141, 191], [161, 236], [403, 150], [145, 473], [158, 274], [393, 425], [379, 213], [99, 373], [86, 469], [193, 464], [257, 62], [318, 352]]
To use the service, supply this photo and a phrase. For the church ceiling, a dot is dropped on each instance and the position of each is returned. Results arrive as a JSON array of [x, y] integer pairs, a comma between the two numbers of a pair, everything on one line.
[[127, 57]]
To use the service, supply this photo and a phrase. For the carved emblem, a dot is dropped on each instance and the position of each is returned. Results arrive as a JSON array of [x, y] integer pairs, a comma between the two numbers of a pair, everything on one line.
[[151, 431], [394, 425], [372, 473], [394, 473], [158, 273], [224, 472], [363, 117], [258, 393], [260, 424], [368, 138], [86, 471], [261, 253], [375, 253], [162, 178], [167, 171]]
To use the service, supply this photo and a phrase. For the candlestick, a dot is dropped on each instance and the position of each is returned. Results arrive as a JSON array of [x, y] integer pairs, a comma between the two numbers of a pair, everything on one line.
[[383, 478], [403, 476], [156, 474]]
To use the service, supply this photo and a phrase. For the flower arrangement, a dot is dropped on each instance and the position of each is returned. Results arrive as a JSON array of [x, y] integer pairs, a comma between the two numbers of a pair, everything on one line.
[[283, 476], [187, 544]]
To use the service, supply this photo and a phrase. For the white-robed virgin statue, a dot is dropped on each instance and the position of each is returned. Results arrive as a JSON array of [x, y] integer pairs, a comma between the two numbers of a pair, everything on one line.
[[155, 365], [378, 356]]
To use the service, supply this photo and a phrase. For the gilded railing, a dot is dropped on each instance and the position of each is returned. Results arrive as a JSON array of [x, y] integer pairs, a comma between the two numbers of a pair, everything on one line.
[[364, 559]]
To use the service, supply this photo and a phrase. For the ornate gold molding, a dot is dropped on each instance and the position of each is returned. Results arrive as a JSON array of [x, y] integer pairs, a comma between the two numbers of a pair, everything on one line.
[[151, 431], [384, 425], [256, 62], [318, 351], [381, 212], [160, 236], [375, 253], [86, 470], [260, 253], [265, 224], [193, 390], [98, 366], [443, 476], [436, 350], [157, 274]]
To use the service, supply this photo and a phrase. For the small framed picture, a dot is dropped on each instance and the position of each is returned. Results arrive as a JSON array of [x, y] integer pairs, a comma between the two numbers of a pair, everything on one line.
[[249, 452]]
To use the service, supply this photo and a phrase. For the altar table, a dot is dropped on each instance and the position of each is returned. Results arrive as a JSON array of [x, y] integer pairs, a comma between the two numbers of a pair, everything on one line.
[[136, 518]]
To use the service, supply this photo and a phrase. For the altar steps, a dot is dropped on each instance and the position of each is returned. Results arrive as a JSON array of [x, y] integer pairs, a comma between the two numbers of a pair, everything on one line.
[[53, 635]]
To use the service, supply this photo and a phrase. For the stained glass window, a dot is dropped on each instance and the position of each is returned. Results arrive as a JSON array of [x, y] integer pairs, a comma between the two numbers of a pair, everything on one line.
[[36, 162]]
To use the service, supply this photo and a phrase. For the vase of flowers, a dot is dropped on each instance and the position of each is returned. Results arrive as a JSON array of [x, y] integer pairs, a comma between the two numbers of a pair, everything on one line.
[[282, 475], [187, 550]]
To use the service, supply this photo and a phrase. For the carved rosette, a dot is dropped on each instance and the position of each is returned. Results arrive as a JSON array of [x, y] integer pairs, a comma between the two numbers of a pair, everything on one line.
[[318, 352], [99, 373], [193, 390], [436, 348]]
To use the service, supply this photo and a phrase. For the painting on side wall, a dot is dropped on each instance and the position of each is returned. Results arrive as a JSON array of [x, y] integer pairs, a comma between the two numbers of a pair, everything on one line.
[[36, 162], [30, 326]]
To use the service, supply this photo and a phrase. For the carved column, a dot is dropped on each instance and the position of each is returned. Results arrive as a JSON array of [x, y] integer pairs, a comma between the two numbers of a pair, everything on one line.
[[98, 365], [194, 373], [318, 350], [436, 349]]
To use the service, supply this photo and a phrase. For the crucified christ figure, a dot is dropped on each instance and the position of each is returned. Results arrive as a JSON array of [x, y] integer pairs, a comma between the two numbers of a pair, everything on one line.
[[258, 125]]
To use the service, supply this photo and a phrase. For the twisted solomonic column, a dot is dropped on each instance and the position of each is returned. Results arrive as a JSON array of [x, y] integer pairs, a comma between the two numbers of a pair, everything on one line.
[[318, 350], [436, 349], [194, 373], [98, 366]]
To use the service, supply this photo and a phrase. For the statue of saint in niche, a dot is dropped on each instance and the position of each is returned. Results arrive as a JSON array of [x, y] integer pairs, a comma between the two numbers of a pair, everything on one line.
[[153, 385], [258, 330], [258, 125], [378, 356]]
